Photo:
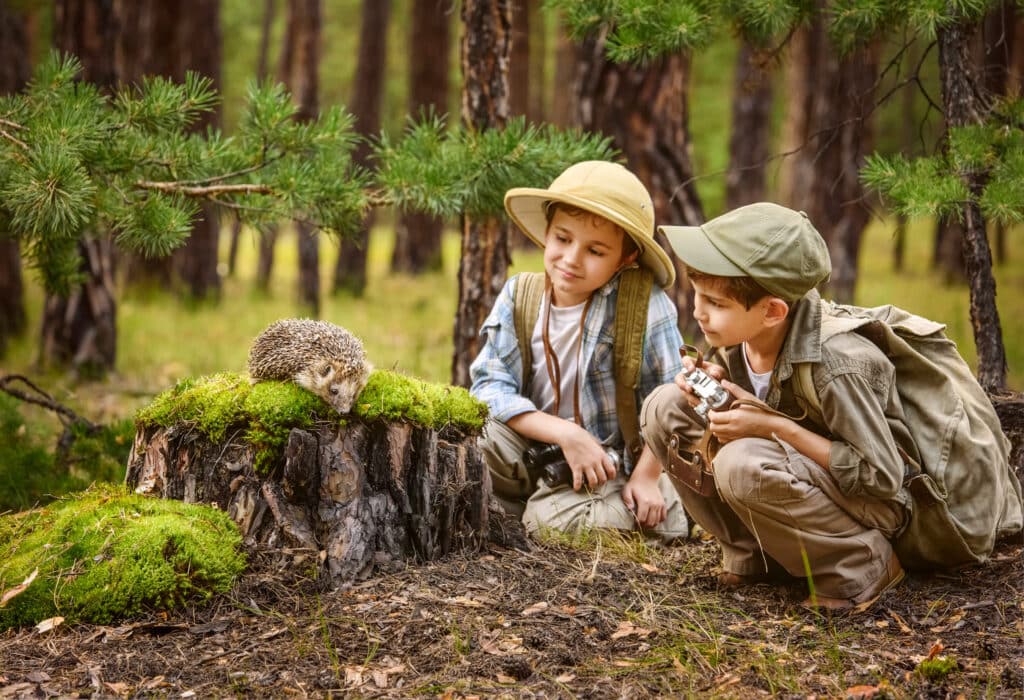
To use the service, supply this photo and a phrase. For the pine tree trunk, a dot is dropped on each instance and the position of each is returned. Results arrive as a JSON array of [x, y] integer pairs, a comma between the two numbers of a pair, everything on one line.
[[483, 266], [564, 110], [418, 236], [300, 70], [350, 500], [14, 73], [350, 270], [80, 330], [750, 132], [836, 138], [537, 109], [645, 112], [963, 106]]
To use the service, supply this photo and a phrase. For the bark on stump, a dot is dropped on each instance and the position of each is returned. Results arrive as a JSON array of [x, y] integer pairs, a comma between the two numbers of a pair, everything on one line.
[[353, 500]]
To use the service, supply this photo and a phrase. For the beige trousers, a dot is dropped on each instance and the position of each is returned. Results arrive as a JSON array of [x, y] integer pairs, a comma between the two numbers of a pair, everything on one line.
[[562, 508], [773, 503]]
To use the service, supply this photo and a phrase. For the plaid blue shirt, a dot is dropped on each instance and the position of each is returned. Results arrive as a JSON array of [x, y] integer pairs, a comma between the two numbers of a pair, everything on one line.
[[497, 372]]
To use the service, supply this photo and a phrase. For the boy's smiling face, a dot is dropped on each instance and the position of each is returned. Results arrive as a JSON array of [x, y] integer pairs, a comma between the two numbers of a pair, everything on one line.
[[581, 253], [724, 320]]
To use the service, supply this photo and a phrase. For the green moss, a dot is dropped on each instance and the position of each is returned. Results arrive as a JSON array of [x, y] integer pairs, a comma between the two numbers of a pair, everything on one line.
[[937, 668], [396, 397], [105, 555], [267, 411]]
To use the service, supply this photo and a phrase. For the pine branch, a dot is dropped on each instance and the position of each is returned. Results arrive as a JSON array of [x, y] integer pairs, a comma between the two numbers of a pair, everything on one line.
[[203, 191]]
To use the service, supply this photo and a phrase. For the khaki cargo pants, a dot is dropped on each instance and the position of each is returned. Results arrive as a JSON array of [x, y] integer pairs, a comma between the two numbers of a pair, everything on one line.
[[773, 502], [562, 508]]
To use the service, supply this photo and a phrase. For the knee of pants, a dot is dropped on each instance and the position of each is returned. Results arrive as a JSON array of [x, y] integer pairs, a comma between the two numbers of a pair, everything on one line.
[[660, 416], [739, 464]]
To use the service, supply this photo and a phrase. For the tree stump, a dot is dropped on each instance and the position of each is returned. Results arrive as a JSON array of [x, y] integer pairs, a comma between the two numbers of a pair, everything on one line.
[[353, 499]]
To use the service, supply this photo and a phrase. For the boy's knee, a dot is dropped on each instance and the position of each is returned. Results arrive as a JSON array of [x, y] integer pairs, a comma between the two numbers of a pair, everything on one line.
[[738, 466], [659, 416]]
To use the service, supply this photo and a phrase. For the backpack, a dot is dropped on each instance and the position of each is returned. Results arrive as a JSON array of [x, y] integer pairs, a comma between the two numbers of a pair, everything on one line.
[[634, 295], [965, 494]]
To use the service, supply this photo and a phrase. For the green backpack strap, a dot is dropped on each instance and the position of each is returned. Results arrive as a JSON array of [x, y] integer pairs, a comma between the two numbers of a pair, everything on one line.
[[627, 352], [526, 308], [806, 393]]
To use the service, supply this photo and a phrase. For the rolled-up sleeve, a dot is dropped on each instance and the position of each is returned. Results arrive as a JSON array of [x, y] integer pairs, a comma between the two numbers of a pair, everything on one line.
[[497, 372]]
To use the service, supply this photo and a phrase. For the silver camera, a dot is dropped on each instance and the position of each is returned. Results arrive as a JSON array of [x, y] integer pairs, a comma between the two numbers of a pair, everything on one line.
[[713, 396]]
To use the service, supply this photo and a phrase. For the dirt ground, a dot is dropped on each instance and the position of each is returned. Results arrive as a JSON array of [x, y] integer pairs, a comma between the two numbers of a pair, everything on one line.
[[613, 619]]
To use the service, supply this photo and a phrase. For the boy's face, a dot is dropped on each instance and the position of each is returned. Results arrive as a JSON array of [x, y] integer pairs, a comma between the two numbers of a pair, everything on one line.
[[581, 253], [724, 320]]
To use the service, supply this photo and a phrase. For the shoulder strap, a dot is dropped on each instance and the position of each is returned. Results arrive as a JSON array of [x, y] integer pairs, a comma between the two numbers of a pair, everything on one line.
[[526, 308], [630, 325], [806, 392]]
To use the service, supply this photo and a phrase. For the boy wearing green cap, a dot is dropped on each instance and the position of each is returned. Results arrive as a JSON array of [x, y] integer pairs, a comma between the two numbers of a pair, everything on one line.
[[596, 224], [820, 493]]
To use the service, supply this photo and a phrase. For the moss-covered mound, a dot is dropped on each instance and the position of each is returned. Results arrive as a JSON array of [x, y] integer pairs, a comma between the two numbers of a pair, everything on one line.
[[104, 555], [267, 411]]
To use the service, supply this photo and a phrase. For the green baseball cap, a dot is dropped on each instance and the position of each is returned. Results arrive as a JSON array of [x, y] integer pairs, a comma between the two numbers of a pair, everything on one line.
[[603, 188], [776, 247]]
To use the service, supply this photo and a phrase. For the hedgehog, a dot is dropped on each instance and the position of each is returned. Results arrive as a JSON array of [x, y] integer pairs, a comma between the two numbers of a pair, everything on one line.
[[318, 356]]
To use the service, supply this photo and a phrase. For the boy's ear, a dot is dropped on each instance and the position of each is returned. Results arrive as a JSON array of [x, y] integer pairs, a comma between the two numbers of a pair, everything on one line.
[[629, 259], [776, 311]]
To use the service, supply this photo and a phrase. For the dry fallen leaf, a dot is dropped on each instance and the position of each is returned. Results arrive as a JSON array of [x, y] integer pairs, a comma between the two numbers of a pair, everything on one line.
[[380, 679], [650, 568], [535, 608], [48, 624], [566, 678], [463, 600], [19, 589], [627, 628], [861, 692], [502, 678], [936, 649]]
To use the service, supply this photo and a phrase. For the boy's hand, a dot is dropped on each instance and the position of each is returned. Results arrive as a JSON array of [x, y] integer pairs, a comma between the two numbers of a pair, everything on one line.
[[742, 420], [714, 371], [642, 496], [589, 462]]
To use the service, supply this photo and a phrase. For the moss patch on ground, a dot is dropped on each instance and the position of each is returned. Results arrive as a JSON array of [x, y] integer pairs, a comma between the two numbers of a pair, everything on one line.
[[265, 412], [104, 555]]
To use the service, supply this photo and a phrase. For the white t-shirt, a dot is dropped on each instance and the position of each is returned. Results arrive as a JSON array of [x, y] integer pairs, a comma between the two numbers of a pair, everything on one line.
[[761, 381], [564, 337]]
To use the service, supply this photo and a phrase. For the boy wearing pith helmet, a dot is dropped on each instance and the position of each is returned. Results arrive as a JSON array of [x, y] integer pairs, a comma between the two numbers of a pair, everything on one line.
[[791, 495], [551, 367]]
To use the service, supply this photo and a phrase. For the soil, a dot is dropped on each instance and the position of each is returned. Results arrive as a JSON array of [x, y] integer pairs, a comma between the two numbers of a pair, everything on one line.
[[614, 618]]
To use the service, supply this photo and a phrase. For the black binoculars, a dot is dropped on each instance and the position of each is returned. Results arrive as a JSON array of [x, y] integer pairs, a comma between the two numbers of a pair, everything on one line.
[[547, 462]]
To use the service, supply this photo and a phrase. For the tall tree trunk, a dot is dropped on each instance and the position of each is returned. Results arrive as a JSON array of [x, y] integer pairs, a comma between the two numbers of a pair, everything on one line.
[[519, 87], [964, 106], [751, 128], [645, 112], [837, 137], [262, 63], [300, 69], [195, 263], [483, 267], [567, 65], [14, 73], [80, 330], [350, 270], [417, 235], [537, 108]]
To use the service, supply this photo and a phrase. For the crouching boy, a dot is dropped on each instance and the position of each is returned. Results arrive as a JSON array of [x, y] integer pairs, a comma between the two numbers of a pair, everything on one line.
[[858, 437], [555, 382]]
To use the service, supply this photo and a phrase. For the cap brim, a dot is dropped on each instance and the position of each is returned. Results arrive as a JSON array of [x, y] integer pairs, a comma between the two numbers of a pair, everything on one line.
[[525, 206], [693, 247]]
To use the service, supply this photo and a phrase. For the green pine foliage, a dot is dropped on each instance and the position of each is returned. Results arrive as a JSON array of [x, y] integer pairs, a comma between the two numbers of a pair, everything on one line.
[[447, 172], [992, 152], [225, 404], [105, 555]]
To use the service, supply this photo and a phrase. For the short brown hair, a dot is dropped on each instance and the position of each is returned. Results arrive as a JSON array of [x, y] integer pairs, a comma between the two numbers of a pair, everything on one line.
[[629, 246], [742, 289]]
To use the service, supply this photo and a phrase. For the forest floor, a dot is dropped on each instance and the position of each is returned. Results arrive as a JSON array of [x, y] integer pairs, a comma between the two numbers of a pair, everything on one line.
[[610, 619]]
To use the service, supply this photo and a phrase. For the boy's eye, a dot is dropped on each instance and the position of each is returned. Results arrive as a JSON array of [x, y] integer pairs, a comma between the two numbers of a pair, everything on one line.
[[596, 252], [561, 239]]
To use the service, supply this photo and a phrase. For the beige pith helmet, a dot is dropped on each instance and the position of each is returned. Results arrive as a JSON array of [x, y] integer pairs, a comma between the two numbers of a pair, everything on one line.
[[602, 188]]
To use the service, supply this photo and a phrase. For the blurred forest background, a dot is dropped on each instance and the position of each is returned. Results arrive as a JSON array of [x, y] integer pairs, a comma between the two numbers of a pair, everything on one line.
[[791, 113]]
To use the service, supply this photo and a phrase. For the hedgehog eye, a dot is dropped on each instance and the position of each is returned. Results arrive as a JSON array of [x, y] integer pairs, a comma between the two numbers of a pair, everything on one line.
[[334, 390]]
